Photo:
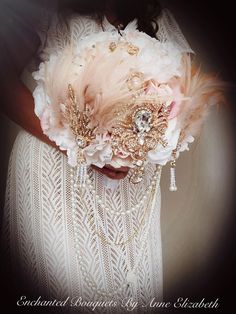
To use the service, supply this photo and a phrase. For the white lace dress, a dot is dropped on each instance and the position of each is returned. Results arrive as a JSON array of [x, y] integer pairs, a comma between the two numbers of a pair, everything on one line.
[[87, 254]]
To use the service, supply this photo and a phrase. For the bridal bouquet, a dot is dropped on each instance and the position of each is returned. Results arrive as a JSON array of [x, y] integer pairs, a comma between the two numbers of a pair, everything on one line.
[[122, 100]]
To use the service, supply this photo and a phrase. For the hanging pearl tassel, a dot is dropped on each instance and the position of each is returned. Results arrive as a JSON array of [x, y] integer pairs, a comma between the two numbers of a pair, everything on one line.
[[173, 186]]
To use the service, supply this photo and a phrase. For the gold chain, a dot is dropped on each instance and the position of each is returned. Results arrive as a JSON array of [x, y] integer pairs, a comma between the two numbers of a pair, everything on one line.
[[130, 238]]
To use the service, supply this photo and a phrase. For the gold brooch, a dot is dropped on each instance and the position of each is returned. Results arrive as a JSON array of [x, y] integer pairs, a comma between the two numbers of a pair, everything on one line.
[[129, 47], [139, 131], [139, 127], [79, 124]]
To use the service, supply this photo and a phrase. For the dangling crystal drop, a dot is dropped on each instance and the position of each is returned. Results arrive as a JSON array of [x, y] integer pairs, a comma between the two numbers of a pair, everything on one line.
[[173, 186]]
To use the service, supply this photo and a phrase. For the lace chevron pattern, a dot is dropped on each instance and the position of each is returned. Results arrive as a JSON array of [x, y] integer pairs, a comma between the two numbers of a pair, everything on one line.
[[38, 229]]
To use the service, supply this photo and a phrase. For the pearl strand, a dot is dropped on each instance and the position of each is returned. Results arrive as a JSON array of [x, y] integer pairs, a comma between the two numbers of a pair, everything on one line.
[[81, 174], [90, 282], [130, 238], [84, 272], [131, 275], [134, 207], [141, 204], [130, 278]]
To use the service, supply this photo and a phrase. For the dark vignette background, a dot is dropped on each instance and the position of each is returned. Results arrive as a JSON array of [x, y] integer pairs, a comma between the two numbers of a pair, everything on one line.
[[210, 28]]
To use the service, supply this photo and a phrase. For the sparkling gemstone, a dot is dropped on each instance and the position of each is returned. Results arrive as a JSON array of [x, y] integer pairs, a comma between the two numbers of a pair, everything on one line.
[[139, 163], [142, 120], [81, 142], [141, 140]]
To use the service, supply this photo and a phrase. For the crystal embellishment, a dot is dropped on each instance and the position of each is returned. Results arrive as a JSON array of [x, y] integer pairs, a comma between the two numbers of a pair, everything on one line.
[[81, 141], [142, 121]]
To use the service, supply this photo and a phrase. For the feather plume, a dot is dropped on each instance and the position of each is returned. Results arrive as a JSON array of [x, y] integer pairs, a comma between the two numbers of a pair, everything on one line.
[[201, 92], [99, 69]]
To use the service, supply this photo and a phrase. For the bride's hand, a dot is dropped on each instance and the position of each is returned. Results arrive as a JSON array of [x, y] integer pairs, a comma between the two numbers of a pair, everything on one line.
[[109, 171], [113, 173]]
